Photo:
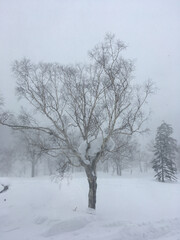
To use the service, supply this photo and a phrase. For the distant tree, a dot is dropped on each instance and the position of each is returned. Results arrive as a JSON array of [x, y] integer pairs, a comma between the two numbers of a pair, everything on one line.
[[122, 154], [6, 161], [164, 154], [81, 107], [143, 158], [51, 165], [31, 147]]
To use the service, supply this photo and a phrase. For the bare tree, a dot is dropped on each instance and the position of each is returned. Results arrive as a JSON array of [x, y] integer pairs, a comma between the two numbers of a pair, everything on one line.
[[122, 155], [83, 105], [5, 116], [31, 146], [6, 161]]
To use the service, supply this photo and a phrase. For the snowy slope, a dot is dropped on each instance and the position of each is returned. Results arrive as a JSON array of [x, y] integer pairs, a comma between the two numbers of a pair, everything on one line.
[[127, 209]]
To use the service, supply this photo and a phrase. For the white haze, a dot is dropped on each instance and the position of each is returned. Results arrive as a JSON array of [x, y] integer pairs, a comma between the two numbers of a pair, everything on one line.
[[63, 31]]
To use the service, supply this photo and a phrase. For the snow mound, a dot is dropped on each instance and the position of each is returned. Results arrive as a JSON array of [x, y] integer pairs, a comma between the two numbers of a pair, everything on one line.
[[146, 230], [1, 187], [66, 226]]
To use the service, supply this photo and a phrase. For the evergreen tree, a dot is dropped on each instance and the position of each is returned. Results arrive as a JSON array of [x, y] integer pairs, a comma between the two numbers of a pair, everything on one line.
[[164, 154]]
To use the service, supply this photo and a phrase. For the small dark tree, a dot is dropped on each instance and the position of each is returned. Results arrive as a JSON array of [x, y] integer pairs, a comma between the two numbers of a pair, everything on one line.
[[164, 154]]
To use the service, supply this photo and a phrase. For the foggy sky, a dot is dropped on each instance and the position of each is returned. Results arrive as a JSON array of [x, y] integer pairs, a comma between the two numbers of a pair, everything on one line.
[[64, 30]]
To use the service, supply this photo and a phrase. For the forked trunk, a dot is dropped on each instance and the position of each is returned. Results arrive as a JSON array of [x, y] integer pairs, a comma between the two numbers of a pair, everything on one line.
[[92, 180]]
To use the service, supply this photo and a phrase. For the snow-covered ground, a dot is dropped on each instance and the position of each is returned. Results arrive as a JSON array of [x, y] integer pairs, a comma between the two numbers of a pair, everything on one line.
[[132, 208]]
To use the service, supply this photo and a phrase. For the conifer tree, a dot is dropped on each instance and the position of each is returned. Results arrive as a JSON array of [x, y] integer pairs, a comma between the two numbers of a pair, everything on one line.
[[164, 154]]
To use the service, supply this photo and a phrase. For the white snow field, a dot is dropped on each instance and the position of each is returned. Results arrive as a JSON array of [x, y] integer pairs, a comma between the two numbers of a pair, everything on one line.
[[128, 208]]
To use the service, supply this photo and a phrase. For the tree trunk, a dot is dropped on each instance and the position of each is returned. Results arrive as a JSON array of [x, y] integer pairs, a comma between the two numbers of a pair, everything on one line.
[[120, 171], [33, 169], [92, 180], [106, 167], [163, 171], [140, 166], [118, 168], [163, 175]]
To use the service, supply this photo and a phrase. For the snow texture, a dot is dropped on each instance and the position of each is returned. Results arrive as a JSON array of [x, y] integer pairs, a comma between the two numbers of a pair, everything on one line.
[[95, 146], [128, 208]]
